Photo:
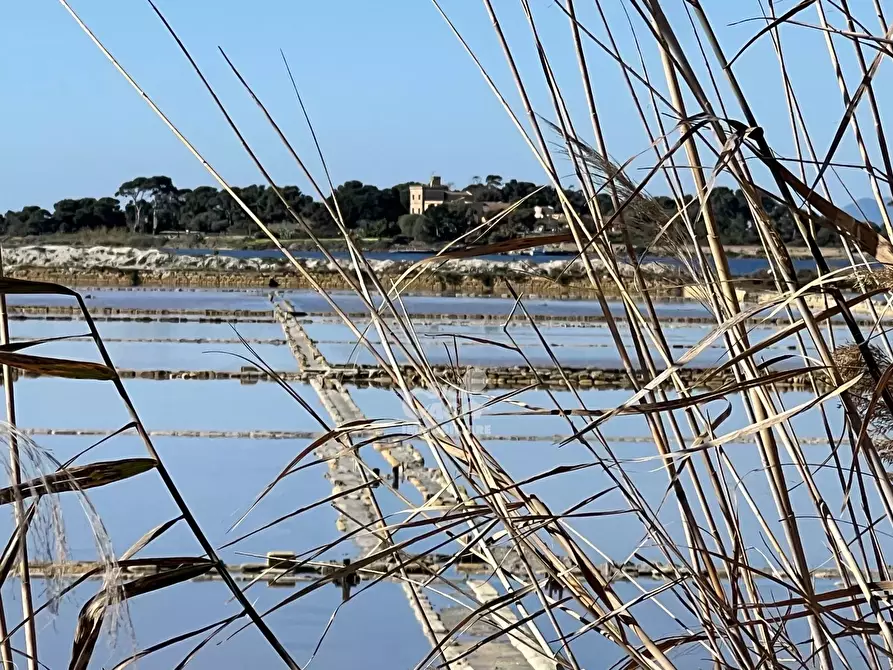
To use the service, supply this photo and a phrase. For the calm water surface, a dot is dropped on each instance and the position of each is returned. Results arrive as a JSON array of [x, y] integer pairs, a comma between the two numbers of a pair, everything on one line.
[[147, 330], [360, 636], [220, 478], [164, 405]]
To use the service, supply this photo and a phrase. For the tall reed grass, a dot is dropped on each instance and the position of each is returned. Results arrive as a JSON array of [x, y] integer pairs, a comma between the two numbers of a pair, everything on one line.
[[738, 549]]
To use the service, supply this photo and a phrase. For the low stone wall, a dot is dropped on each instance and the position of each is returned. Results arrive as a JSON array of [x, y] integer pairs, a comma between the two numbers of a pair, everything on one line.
[[503, 378], [433, 283], [280, 564], [73, 310], [70, 312], [520, 377], [136, 317]]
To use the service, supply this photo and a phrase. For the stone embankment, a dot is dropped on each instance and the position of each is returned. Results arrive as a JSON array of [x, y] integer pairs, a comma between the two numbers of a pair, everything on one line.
[[286, 564], [125, 266], [273, 341], [361, 318], [358, 513], [495, 377], [42, 311], [312, 435], [403, 457]]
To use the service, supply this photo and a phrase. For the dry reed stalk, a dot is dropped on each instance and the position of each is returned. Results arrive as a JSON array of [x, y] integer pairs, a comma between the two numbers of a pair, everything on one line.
[[797, 126], [736, 621], [768, 447], [873, 104], [19, 507]]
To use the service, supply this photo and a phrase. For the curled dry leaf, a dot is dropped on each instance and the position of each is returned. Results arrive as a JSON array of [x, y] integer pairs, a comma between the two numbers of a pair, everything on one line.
[[171, 571], [80, 478], [58, 367]]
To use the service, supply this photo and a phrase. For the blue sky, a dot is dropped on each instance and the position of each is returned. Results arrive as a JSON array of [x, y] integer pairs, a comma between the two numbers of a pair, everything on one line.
[[393, 95]]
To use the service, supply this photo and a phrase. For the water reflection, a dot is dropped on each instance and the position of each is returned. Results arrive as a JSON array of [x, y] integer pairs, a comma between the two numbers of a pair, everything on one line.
[[360, 637], [176, 404]]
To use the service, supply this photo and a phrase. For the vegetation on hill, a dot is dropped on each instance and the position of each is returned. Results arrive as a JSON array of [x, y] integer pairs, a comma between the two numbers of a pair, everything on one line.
[[150, 205]]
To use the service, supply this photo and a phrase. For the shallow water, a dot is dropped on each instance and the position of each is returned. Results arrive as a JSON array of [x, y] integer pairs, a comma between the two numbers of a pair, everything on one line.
[[360, 637], [484, 345], [223, 405], [308, 301], [176, 355], [219, 478], [34, 328], [501, 412], [618, 533], [574, 346], [608, 521]]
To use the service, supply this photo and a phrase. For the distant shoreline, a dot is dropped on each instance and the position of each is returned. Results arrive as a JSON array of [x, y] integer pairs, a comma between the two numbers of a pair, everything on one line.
[[546, 277], [229, 243], [126, 266]]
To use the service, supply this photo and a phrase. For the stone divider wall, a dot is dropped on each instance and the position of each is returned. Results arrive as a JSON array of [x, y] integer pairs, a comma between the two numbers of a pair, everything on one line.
[[484, 283], [358, 509], [496, 378], [456, 318], [520, 377], [423, 566], [41, 310]]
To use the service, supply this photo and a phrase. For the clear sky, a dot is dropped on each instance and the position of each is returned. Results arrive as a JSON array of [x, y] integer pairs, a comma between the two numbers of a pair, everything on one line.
[[393, 95]]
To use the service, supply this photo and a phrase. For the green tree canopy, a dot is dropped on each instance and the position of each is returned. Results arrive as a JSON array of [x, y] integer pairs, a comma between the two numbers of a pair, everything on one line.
[[156, 204], [70, 216]]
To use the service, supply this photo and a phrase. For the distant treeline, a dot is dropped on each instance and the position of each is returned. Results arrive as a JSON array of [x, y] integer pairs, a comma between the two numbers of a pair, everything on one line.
[[152, 205]]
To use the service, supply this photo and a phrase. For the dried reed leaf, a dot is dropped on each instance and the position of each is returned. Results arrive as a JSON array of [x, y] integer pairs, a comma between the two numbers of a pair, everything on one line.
[[149, 537], [862, 234], [58, 367], [80, 478], [25, 344], [89, 625]]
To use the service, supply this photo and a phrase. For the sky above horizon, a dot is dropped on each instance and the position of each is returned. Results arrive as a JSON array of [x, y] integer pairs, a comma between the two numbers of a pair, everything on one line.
[[391, 92]]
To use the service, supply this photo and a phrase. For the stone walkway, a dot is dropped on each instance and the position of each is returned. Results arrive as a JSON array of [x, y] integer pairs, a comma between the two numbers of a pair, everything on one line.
[[357, 509]]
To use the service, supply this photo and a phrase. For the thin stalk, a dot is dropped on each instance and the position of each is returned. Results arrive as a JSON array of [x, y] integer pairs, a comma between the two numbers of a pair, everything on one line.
[[797, 125], [5, 644], [19, 504], [767, 443], [854, 121], [692, 529], [818, 340]]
